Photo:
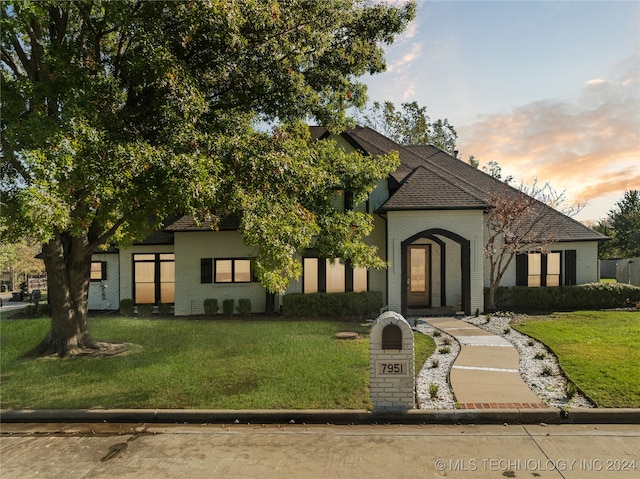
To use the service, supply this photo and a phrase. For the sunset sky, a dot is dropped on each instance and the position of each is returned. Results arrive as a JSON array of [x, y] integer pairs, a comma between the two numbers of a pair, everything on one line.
[[548, 89]]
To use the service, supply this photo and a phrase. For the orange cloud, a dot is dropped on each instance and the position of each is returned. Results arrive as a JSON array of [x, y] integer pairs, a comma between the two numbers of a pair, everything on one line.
[[589, 146]]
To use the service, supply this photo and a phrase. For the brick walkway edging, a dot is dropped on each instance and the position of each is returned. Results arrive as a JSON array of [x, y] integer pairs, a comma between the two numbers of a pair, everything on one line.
[[510, 405]]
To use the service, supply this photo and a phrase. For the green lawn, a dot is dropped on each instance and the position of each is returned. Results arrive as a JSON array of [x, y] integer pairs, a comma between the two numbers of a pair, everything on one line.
[[598, 350], [175, 363]]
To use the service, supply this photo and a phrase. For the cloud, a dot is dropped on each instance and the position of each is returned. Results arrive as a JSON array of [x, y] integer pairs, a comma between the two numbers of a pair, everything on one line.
[[589, 145], [406, 59], [597, 82]]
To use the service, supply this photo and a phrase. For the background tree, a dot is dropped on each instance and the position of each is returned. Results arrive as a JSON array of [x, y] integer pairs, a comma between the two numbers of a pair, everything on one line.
[[116, 115], [494, 169], [19, 259], [622, 225], [410, 125]]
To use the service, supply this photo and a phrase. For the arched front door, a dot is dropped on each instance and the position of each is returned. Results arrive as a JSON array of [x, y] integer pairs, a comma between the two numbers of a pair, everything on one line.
[[412, 255], [419, 276]]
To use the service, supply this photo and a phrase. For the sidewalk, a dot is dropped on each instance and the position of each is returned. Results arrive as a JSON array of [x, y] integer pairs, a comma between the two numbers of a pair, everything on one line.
[[486, 373], [8, 305], [203, 451]]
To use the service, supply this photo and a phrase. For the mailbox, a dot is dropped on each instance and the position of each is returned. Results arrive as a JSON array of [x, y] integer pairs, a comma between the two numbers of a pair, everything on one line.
[[391, 352]]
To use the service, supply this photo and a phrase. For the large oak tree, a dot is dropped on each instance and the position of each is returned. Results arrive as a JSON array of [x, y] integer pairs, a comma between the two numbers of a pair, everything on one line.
[[118, 114]]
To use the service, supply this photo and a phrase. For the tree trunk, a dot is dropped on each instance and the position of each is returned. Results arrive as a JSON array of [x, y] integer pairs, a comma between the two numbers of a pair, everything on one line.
[[68, 263], [491, 299]]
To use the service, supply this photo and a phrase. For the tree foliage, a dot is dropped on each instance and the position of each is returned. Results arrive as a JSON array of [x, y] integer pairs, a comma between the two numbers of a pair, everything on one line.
[[20, 259], [118, 114], [622, 225], [410, 125]]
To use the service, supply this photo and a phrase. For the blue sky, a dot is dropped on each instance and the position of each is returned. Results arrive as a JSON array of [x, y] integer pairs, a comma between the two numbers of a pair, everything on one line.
[[549, 89]]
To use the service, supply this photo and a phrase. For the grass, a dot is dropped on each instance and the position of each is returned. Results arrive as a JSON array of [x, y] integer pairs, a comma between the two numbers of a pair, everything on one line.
[[424, 347], [202, 364], [598, 350]]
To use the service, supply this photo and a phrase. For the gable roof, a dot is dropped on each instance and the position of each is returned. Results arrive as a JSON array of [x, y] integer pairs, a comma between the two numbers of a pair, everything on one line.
[[427, 190], [431, 179]]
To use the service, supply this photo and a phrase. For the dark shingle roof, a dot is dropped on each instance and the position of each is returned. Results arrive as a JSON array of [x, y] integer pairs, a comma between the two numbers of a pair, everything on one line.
[[427, 190], [431, 179], [189, 223]]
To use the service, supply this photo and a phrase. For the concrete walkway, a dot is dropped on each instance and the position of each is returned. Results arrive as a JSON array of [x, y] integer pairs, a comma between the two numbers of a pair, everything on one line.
[[486, 373]]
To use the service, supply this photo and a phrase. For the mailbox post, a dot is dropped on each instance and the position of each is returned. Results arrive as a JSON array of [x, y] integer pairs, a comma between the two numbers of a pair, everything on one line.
[[391, 363]]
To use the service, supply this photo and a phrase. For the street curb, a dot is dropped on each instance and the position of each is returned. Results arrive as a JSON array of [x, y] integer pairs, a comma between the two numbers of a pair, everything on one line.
[[322, 416]]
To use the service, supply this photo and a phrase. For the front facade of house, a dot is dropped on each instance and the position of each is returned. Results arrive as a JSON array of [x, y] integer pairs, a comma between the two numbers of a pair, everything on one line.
[[430, 226]]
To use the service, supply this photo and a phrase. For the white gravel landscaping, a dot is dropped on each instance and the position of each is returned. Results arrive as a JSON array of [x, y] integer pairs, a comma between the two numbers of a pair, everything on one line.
[[436, 375], [539, 367]]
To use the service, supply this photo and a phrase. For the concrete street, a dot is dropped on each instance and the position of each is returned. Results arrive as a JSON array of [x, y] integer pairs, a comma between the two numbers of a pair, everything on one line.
[[75, 451]]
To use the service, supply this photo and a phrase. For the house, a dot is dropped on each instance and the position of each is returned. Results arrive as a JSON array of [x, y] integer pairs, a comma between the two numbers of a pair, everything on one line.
[[430, 220]]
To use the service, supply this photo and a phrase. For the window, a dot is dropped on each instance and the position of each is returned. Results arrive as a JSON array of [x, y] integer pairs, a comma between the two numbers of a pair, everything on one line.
[[320, 275], [537, 269], [154, 278], [233, 271], [98, 270], [534, 278], [359, 279], [335, 277], [553, 269], [310, 275]]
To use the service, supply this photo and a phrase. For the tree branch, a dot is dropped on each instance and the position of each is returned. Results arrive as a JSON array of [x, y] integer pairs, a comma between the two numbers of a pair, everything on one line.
[[107, 234], [6, 57], [9, 155]]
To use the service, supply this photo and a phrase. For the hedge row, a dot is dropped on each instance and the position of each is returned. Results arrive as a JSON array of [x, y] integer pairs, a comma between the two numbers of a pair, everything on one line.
[[567, 298], [332, 304]]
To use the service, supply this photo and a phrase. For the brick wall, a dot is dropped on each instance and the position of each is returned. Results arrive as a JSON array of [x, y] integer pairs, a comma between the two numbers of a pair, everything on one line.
[[468, 224], [586, 263], [391, 391], [112, 292], [190, 247]]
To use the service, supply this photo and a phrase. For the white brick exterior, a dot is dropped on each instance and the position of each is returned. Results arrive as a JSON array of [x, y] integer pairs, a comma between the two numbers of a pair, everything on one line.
[[190, 247], [378, 277], [468, 224], [390, 231], [111, 298], [586, 263]]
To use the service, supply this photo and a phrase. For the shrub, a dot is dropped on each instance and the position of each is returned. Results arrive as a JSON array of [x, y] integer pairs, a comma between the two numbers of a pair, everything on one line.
[[435, 362], [126, 307], [506, 330], [446, 341], [546, 371], [332, 304], [437, 334], [145, 310], [244, 307], [228, 305], [568, 298], [37, 310], [433, 390], [211, 306], [164, 309], [570, 390], [444, 350], [540, 356]]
